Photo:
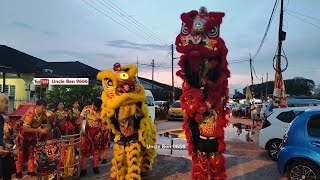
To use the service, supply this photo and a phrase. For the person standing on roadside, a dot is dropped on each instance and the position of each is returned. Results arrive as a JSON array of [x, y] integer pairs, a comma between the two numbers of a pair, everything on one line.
[[3, 153]]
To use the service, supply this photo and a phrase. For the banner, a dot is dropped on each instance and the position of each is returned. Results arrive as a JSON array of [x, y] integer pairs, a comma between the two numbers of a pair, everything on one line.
[[279, 92], [248, 94]]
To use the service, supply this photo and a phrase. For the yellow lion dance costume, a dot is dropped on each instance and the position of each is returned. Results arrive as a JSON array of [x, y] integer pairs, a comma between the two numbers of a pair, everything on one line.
[[127, 115]]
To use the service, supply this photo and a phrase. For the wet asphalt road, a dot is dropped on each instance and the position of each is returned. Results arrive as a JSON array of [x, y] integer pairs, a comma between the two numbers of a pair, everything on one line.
[[245, 160]]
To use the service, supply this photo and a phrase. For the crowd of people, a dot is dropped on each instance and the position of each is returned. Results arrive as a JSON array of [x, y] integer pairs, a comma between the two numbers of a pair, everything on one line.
[[41, 125]]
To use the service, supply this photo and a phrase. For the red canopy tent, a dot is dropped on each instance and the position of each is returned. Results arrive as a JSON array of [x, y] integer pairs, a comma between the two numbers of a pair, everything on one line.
[[20, 112]]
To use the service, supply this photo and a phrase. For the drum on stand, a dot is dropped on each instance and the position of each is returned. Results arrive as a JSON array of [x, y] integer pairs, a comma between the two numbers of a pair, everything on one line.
[[70, 163]]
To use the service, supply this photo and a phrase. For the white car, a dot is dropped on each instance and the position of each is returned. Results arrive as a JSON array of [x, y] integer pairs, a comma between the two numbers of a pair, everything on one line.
[[151, 106], [276, 125]]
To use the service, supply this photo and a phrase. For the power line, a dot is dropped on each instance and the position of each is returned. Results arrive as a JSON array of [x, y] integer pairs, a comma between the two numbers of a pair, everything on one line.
[[120, 23], [254, 71], [165, 58], [267, 29], [117, 12], [138, 22], [303, 20], [238, 61], [303, 15]]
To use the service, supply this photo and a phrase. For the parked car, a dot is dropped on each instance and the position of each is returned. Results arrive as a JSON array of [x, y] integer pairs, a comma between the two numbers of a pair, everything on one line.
[[159, 105], [299, 157], [243, 108], [151, 107], [291, 102], [276, 125], [175, 111]]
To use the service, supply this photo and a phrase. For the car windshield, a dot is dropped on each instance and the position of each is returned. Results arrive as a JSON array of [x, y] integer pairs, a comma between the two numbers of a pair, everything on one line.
[[243, 105], [158, 103], [176, 105], [149, 101]]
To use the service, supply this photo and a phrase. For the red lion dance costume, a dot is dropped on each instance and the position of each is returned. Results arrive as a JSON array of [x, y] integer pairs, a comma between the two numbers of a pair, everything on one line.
[[205, 91]]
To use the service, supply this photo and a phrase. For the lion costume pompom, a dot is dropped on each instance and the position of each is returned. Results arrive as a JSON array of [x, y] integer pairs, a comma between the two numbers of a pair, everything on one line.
[[204, 71], [127, 116]]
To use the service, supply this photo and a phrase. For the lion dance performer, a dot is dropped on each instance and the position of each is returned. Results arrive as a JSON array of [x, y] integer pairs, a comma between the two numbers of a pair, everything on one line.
[[127, 116], [35, 123], [74, 114], [90, 142], [205, 76]]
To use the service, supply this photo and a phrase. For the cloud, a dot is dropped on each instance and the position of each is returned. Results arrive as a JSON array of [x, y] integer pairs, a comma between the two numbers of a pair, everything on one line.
[[78, 55], [50, 33], [22, 25], [32, 28], [129, 45]]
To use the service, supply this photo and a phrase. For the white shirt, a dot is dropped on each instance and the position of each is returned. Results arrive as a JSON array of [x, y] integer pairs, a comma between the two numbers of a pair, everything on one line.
[[253, 109]]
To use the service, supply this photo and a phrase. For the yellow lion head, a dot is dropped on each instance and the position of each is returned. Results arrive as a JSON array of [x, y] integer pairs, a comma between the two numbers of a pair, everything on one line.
[[123, 98], [120, 86]]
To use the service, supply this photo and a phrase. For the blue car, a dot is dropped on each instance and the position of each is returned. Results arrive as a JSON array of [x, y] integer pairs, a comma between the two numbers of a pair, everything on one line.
[[299, 157]]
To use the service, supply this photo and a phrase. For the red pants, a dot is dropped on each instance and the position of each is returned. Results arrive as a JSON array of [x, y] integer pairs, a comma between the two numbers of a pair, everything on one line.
[[105, 151], [105, 140], [90, 145], [26, 153]]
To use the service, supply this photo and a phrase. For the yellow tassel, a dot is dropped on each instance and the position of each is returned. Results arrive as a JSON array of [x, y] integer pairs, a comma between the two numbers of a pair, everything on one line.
[[133, 156], [117, 169]]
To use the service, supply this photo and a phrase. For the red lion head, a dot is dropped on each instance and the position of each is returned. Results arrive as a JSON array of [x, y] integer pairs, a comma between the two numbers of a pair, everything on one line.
[[199, 32], [204, 52]]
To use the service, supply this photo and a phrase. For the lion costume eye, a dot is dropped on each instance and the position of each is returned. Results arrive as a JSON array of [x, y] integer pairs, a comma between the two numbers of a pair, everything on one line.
[[184, 29], [214, 32], [109, 83], [124, 76]]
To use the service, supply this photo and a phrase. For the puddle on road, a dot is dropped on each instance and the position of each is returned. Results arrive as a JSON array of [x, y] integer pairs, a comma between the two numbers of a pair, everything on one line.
[[236, 131], [176, 138]]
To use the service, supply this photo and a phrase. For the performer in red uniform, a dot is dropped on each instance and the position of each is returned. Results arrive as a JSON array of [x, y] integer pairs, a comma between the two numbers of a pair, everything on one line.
[[90, 144], [74, 114], [63, 120], [33, 126]]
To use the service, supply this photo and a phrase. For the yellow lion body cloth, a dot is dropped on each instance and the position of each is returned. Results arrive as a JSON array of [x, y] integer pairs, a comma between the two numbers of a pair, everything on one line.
[[127, 115]]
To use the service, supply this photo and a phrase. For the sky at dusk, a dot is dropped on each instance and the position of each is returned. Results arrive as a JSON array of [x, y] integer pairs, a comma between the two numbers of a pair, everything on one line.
[[102, 32]]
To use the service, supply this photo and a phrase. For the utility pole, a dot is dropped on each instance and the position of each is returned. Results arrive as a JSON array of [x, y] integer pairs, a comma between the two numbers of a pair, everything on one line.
[[281, 37], [138, 66], [152, 72], [261, 87], [279, 90], [251, 70], [173, 89], [250, 61], [267, 86]]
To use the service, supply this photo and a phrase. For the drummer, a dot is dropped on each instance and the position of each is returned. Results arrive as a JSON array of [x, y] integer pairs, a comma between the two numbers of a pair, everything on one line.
[[90, 144], [35, 124], [63, 120]]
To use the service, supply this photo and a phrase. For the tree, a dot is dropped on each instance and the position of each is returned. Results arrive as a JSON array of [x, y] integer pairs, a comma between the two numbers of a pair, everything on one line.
[[238, 95], [68, 94], [297, 86]]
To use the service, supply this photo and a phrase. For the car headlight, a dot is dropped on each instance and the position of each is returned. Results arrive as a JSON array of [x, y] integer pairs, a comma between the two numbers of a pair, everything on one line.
[[285, 138]]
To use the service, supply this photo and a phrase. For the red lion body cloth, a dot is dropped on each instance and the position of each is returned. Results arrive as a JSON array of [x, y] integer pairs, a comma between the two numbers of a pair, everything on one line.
[[204, 71]]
